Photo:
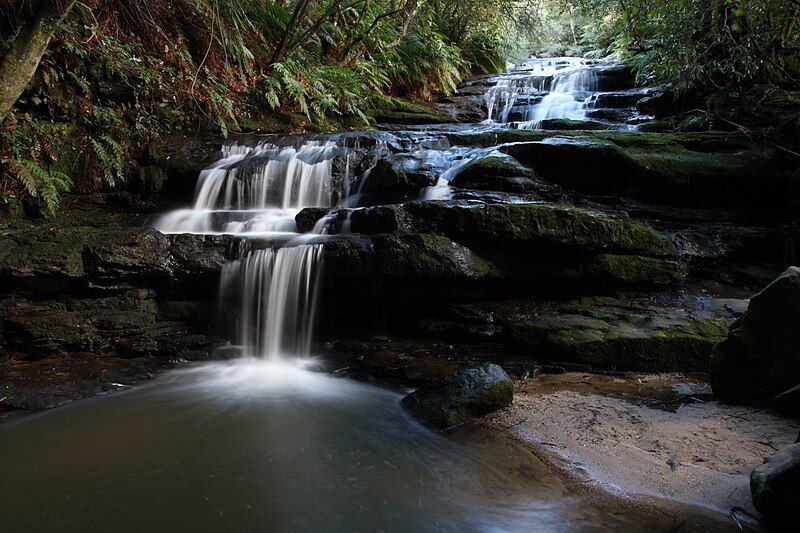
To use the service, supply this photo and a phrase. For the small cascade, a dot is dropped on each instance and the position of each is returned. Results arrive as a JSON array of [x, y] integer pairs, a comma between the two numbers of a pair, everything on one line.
[[276, 290], [257, 190], [543, 89]]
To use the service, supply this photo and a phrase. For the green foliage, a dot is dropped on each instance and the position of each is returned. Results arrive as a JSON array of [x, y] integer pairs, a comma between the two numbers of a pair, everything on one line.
[[120, 74], [41, 183], [706, 44]]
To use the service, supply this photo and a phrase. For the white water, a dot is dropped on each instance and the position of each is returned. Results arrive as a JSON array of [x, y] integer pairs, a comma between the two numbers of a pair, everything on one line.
[[277, 291], [543, 89], [257, 190]]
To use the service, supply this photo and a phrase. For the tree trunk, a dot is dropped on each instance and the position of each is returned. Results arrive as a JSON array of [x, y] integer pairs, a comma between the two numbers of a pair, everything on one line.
[[20, 63]]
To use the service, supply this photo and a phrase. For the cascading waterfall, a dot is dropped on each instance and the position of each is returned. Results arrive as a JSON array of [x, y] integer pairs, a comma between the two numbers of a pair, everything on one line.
[[255, 192], [543, 89]]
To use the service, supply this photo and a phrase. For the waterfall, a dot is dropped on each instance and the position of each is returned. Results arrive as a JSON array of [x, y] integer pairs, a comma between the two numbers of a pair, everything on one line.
[[277, 291], [257, 190], [542, 89], [269, 293]]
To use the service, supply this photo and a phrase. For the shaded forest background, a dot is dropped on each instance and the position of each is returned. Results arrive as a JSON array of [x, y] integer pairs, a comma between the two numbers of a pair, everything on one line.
[[116, 78]]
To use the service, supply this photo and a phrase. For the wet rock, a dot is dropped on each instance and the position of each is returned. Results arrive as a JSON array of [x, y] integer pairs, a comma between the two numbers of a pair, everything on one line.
[[565, 124], [620, 338], [495, 173], [775, 487], [308, 217], [461, 396], [760, 359], [401, 173]]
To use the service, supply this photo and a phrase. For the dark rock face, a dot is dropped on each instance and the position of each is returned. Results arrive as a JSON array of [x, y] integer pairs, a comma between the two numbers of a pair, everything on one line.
[[760, 359], [775, 487], [124, 292], [460, 396], [709, 169], [615, 77]]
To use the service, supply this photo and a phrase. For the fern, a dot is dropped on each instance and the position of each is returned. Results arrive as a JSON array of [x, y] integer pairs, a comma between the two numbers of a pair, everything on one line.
[[111, 156], [39, 182]]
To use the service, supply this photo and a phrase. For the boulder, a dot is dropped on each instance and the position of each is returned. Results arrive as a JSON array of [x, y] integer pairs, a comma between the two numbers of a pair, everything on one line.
[[461, 396], [566, 124], [760, 359], [775, 487], [525, 226], [400, 173], [615, 77]]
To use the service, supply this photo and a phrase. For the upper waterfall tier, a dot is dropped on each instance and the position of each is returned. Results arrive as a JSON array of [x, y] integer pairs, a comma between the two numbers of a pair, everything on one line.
[[542, 89]]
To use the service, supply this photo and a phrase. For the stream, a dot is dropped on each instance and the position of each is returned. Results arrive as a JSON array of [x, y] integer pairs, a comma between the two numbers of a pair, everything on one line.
[[270, 440]]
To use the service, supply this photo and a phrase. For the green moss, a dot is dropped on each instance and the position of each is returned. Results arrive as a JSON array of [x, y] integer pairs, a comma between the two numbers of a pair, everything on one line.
[[621, 341]]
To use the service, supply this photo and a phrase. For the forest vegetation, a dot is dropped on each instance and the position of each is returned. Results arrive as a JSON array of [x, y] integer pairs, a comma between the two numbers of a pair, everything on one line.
[[89, 87]]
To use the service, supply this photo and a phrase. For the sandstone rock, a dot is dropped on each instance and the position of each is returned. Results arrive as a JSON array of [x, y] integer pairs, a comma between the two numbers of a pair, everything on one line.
[[656, 340]]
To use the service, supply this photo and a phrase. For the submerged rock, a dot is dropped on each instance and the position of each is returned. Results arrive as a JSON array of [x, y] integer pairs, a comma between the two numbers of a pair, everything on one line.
[[760, 359], [775, 486], [460, 396]]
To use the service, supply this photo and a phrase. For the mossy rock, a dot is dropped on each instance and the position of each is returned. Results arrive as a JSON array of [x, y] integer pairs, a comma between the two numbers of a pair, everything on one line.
[[426, 256], [565, 124], [407, 112], [667, 168], [621, 339], [495, 173], [461, 396]]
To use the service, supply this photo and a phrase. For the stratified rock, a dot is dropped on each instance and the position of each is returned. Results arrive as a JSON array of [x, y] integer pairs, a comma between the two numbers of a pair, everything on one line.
[[775, 486], [656, 340], [681, 169], [760, 359], [461, 396]]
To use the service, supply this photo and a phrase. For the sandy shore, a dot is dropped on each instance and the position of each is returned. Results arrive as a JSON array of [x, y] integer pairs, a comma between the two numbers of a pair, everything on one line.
[[652, 435]]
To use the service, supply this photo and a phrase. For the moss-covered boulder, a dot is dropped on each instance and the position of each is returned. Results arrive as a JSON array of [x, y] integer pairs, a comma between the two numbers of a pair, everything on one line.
[[408, 112], [656, 340], [760, 358], [775, 487], [461, 396], [426, 256], [495, 173]]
